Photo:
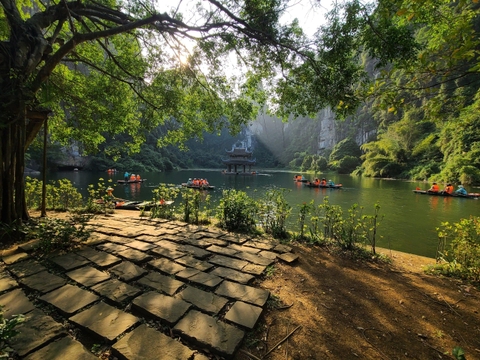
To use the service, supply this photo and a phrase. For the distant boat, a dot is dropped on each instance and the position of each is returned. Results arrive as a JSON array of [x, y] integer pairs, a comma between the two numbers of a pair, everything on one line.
[[335, 186], [140, 205], [198, 187], [442, 193], [130, 181]]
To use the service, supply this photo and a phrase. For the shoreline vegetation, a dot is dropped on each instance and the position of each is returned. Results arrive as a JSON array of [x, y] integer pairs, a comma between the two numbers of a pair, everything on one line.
[[325, 225]]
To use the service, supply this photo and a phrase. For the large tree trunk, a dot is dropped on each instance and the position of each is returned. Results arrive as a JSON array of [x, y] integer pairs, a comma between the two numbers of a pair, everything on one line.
[[12, 157]]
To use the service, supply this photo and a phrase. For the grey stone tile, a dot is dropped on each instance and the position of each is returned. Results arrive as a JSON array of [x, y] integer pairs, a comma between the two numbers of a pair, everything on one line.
[[6, 282], [288, 257], [69, 299], [134, 255], [146, 343], [140, 245], [255, 259], [105, 321], [26, 268], [15, 302], [99, 258], [116, 290], [204, 330], [222, 250], [159, 306], [187, 273], [43, 281], [64, 349], [254, 269], [203, 300], [14, 258], [244, 314], [233, 275], [128, 271], [88, 276], [225, 261], [243, 293], [234, 238], [161, 282], [260, 244], [37, 330], [205, 279], [69, 261], [166, 266], [194, 263]]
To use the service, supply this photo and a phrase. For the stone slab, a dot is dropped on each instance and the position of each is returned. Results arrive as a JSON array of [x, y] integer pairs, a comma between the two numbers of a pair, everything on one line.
[[151, 238], [254, 269], [206, 279], [145, 343], [43, 281], [140, 245], [36, 330], [116, 290], [282, 248], [99, 258], [225, 261], [233, 275], [134, 255], [6, 282], [244, 314], [268, 254], [168, 253], [194, 263], [166, 266], [259, 244], [204, 300], [187, 273], [222, 250], [288, 257], [69, 261], [244, 248], [165, 308], [69, 299], [205, 330], [196, 252], [88, 276], [26, 268], [63, 349], [15, 302], [14, 258], [255, 259], [112, 248], [128, 271], [105, 320], [243, 293], [234, 238], [161, 282]]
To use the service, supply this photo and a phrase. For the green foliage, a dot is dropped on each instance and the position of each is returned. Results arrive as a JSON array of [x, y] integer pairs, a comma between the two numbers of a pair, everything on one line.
[[57, 234], [8, 331], [192, 201], [459, 246], [237, 211], [347, 164], [346, 147], [164, 192], [99, 201], [61, 195], [303, 211], [458, 353], [273, 212]]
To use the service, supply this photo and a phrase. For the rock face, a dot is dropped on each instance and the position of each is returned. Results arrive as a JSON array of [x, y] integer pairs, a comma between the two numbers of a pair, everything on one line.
[[160, 290]]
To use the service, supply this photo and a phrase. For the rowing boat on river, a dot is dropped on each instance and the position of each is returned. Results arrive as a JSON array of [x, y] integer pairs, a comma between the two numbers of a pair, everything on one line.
[[335, 186], [445, 194]]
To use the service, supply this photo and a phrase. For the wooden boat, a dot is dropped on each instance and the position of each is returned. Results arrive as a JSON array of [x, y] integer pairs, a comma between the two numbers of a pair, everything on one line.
[[442, 193], [198, 187], [140, 205], [299, 179], [130, 181], [310, 184]]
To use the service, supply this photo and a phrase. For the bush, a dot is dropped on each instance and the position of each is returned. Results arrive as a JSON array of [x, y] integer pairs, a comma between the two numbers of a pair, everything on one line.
[[459, 246], [60, 195], [347, 164], [237, 211], [274, 211], [346, 147]]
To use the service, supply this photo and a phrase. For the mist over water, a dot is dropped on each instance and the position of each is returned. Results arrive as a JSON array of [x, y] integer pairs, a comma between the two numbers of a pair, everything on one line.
[[408, 224]]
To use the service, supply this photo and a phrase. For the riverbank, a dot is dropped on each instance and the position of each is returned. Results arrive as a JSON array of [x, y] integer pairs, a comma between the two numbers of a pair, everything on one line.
[[339, 307]]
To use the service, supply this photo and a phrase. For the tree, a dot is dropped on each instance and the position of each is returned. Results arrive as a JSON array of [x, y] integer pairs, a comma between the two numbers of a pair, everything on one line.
[[105, 67]]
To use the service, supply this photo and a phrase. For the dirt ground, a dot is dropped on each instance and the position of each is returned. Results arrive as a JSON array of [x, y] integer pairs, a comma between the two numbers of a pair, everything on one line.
[[340, 308]]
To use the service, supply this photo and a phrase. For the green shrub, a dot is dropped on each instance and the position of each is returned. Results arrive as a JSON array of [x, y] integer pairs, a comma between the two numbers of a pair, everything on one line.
[[459, 246], [347, 164], [346, 147], [60, 195], [236, 211], [274, 211], [164, 192]]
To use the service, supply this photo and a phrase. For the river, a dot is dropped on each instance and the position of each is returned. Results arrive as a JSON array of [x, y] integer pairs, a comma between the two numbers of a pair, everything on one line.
[[409, 220]]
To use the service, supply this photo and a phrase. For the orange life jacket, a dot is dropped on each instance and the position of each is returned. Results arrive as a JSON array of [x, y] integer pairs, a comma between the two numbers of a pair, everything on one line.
[[435, 188]]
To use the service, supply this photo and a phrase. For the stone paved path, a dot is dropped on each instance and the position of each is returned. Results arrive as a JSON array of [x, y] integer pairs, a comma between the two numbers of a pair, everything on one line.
[[147, 289]]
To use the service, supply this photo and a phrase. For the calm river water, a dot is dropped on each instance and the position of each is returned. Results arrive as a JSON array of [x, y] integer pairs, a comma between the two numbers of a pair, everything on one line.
[[409, 220]]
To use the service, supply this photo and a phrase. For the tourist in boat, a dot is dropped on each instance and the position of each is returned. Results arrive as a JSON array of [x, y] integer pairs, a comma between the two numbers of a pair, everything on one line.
[[323, 182], [132, 177], [330, 183], [435, 188], [189, 182], [126, 176], [316, 182], [205, 182], [138, 177], [461, 190], [448, 189]]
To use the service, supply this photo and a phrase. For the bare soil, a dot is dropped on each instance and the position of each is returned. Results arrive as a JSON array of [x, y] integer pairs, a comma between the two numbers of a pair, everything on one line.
[[341, 308]]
